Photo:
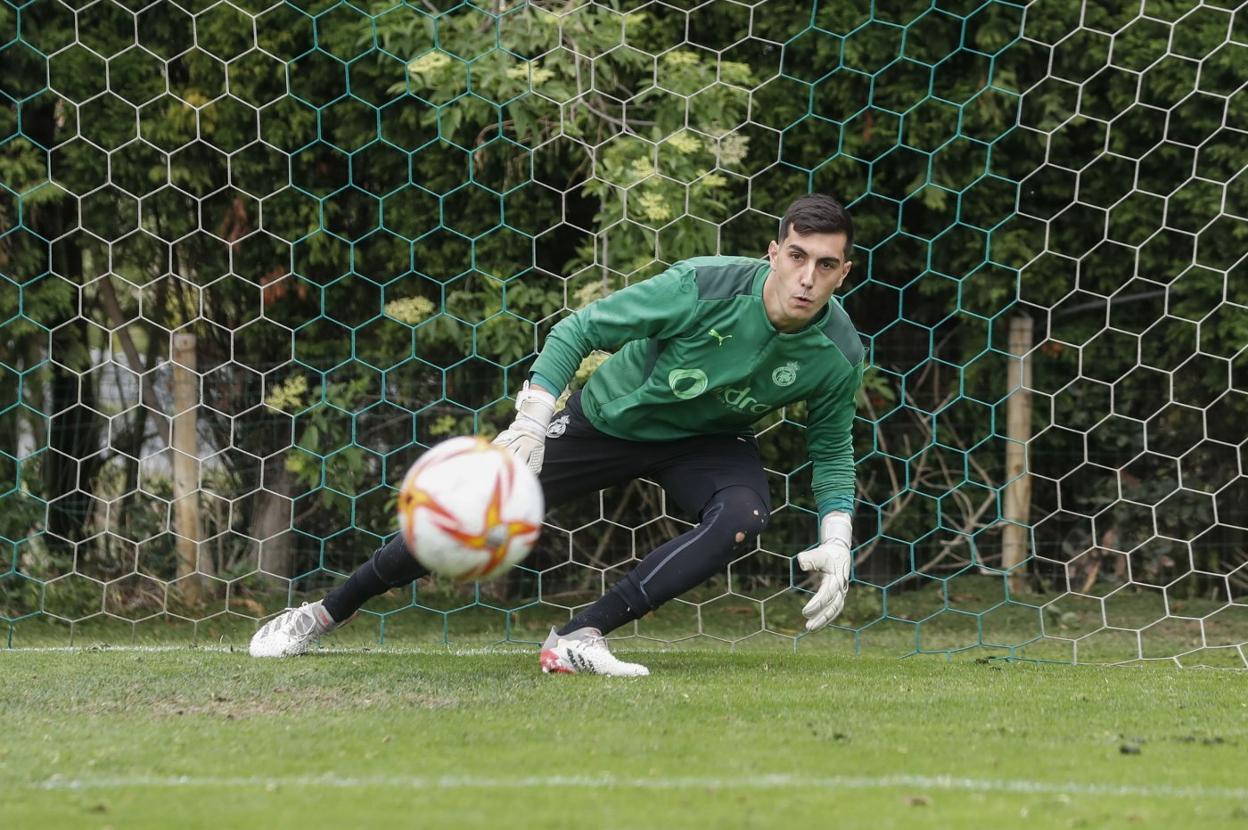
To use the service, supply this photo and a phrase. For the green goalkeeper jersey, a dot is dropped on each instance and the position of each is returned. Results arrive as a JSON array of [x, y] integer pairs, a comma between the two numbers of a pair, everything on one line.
[[697, 355]]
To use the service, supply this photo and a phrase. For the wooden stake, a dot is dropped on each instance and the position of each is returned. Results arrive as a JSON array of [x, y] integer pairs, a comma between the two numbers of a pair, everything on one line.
[[1017, 509], [186, 465]]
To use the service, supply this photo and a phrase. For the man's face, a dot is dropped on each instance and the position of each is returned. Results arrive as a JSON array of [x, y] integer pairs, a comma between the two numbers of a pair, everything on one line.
[[805, 270]]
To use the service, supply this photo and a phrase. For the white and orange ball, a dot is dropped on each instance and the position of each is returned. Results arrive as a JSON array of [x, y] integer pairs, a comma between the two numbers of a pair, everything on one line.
[[468, 510]]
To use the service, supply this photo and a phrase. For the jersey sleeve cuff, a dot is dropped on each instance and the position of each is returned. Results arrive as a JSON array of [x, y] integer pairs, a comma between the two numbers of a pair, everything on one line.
[[839, 504], [545, 383]]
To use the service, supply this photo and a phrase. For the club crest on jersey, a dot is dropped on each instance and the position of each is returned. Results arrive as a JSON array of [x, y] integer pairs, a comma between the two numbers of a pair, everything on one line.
[[558, 426], [785, 375], [687, 383]]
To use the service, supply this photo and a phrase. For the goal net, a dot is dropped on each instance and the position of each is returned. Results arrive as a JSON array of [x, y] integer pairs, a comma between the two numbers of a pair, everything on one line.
[[257, 256]]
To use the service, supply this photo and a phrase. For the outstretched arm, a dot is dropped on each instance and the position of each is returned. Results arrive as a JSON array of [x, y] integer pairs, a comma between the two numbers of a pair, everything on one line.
[[658, 307], [831, 446]]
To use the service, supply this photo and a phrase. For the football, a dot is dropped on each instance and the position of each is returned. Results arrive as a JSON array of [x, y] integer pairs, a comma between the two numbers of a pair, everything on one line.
[[468, 510]]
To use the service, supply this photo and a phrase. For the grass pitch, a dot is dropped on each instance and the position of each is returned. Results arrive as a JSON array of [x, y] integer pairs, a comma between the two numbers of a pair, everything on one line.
[[192, 738]]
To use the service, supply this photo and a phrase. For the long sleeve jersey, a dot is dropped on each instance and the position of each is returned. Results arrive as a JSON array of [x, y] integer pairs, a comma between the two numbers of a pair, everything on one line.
[[697, 355]]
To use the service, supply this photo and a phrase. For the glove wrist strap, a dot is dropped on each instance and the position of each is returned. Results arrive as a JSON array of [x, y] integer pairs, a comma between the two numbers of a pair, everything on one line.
[[836, 526], [534, 409]]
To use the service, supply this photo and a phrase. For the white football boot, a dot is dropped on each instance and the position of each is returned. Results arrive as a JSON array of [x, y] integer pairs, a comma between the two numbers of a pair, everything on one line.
[[292, 632], [585, 651]]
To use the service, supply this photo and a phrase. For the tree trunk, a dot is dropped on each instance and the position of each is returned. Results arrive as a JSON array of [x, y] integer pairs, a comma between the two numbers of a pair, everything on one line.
[[272, 520]]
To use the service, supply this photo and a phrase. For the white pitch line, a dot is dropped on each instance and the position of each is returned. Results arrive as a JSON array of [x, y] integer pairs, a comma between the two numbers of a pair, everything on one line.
[[775, 781], [458, 651]]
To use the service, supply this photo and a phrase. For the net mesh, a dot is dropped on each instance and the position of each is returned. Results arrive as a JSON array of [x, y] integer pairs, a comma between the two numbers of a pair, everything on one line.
[[257, 256]]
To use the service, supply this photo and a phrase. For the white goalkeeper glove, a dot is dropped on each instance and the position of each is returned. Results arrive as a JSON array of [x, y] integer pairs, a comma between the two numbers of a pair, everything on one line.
[[831, 559], [526, 437]]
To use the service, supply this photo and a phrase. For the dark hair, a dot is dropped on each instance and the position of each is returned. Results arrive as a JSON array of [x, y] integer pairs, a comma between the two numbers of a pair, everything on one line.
[[818, 213]]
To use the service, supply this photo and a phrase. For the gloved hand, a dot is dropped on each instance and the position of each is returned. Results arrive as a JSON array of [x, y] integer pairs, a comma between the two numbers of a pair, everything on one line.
[[526, 437], [831, 559]]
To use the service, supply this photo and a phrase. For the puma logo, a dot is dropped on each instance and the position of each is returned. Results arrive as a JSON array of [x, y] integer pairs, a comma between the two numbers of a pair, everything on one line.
[[719, 337]]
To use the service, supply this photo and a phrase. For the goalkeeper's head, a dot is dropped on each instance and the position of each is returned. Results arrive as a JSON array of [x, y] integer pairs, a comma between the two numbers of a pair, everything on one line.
[[809, 261]]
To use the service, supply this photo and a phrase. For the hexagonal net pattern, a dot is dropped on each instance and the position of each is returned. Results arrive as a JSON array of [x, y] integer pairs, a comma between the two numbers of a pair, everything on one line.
[[258, 255]]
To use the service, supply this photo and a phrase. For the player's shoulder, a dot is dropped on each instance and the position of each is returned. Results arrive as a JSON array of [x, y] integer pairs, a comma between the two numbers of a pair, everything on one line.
[[839, 328], [723, 277]]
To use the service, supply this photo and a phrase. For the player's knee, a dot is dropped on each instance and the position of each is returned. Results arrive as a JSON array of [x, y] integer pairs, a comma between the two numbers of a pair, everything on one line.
[[739, 515]]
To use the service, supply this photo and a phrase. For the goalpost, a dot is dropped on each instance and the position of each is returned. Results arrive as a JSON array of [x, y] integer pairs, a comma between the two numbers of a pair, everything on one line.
[[256, 256]]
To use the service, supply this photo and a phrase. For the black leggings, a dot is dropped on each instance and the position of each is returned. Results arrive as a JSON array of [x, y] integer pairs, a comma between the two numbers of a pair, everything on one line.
[[719, 478]]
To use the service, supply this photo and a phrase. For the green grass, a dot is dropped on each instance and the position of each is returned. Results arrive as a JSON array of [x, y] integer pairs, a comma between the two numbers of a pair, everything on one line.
[[99, 738], [969, 612]]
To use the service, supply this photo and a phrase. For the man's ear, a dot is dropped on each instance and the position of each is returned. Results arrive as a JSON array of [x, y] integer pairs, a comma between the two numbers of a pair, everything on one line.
[[773, 248], [844, 274]]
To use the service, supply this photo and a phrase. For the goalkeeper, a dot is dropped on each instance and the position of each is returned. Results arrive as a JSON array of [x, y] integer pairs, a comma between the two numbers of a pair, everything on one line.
[[704, 350]]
